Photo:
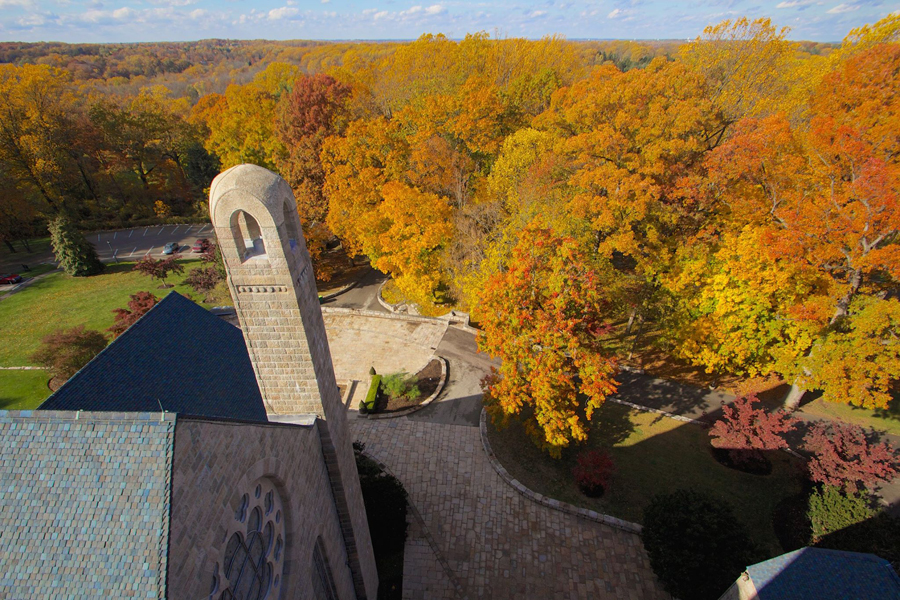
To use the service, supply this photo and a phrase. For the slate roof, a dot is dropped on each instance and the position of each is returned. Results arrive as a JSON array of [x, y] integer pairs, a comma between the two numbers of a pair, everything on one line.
[[819, 574], [178, 355], [84, 504]]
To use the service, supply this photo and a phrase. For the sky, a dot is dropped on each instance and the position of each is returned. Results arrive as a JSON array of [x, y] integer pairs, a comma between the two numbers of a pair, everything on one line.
[[181, 20]]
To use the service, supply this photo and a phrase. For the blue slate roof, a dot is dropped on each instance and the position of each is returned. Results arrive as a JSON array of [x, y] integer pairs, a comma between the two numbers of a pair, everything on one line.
[[84, 504], [819, 574], [178, 356]]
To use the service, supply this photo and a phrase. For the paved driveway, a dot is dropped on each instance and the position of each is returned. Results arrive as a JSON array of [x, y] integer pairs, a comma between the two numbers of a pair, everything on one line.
[[477, 534], [496, 543]]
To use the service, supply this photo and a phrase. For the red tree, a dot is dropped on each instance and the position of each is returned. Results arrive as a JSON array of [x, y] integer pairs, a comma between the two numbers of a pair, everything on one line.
[[844, 457], [203, 279], [65, 351], [745, 431], [159, 269], [139, 304]]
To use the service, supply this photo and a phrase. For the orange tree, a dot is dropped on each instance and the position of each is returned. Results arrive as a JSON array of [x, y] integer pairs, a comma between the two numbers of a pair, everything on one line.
[[543, 317], [824, 199]]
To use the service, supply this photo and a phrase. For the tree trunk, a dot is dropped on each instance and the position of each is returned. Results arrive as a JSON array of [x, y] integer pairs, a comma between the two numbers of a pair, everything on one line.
[[9, 245], [793, 398], [26, 244], [637, 337], [630, 321]]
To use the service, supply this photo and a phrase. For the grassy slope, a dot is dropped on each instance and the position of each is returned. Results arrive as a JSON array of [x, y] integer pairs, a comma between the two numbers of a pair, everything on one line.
[[59, 301], [883, 420], [652, 454], [23, 390]]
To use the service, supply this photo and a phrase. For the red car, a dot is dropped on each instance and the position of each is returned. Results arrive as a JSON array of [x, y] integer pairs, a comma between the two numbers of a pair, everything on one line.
[[201, 245], [10, 279]]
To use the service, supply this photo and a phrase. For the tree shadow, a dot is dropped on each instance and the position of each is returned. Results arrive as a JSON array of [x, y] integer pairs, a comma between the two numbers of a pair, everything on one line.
[[671, 396]]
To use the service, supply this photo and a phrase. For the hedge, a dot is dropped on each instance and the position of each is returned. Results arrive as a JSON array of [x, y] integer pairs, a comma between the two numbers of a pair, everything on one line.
[[373, 392]]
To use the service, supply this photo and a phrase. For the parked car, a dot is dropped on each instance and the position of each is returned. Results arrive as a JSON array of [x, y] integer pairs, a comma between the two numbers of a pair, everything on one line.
[[10, 279], [201, 245], [171, 248]]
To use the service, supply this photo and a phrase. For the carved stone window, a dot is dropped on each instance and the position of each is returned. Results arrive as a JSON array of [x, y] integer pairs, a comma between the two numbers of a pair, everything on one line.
[[253, 562]]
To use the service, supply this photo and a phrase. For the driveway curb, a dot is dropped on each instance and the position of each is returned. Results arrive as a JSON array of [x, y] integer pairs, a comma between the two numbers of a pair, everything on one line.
[[564, 507]]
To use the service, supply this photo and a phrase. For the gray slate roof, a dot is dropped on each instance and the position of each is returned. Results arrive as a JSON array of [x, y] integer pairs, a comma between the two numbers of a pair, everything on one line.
[[819, 574], [178, 355], [84, 504]]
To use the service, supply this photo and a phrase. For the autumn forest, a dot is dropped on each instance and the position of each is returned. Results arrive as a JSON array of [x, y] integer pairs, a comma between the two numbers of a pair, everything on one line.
[[737, 193]]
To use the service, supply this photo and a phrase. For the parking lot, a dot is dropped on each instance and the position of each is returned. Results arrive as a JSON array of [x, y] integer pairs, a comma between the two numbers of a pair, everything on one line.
[[134, 244]]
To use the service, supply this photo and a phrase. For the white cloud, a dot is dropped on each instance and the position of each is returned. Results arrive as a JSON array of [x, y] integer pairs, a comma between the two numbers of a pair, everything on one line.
[[123, 13], [285, 12], [537, 13], [435, 9], [795, 3], [198, 13], [16, 4], [325, 1], [619, 13], [843, 8]]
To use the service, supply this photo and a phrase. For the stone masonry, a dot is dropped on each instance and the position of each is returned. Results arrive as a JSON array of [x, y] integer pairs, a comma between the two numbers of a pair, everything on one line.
[[271, 281], [215, 463]]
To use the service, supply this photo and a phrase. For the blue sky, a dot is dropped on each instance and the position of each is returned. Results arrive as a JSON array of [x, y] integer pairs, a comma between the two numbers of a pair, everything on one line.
[[175, 20]]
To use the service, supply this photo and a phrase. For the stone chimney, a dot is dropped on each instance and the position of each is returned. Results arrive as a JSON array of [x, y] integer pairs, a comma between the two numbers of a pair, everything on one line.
[[271, 280]]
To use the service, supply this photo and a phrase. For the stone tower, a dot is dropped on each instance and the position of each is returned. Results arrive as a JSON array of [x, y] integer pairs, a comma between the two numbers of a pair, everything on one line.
[[271, 280]]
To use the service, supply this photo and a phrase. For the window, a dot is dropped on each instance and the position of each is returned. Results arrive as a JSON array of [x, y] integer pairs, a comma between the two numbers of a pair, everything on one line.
[[254, 558], [323, 581]]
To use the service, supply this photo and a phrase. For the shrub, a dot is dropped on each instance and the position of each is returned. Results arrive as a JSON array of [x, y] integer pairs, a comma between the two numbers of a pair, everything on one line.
[[139, 304], [363, 409], [744, 431], [844, 456], [372, 371], [593, 471], [400, 385], [65, 351], [372, 395], [830, 510], [696, 546], [158, 269], [73, 252]]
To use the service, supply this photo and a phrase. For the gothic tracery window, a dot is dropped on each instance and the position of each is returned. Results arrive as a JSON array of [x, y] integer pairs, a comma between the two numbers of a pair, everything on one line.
[[254, 554]]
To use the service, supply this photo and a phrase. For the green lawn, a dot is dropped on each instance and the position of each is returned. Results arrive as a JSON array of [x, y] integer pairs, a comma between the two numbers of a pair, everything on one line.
[[883, 419], [653, 454], [23, 390], [60, 301]]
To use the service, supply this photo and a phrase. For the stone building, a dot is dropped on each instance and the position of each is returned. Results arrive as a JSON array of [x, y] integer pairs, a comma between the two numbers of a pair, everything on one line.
[[153, 474]]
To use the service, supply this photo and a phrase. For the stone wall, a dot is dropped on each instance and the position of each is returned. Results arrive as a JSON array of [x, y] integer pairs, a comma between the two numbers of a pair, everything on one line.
[[215, 464]]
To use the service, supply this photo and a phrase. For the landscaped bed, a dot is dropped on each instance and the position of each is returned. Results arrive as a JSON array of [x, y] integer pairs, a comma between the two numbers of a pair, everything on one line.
[[425, 381], [652, 454]]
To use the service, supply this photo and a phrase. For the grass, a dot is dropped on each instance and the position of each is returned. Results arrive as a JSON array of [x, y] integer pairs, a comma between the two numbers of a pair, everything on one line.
[[23, 390], [59, 301], [652, 454], [12, 262], [882, 419]]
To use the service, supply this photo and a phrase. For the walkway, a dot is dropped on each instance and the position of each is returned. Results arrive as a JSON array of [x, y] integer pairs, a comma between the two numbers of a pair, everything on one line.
[[496, 543]]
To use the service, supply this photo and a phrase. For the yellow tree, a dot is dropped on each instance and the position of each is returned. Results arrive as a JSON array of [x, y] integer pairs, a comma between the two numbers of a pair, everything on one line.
[[747, 65], [543, 318]]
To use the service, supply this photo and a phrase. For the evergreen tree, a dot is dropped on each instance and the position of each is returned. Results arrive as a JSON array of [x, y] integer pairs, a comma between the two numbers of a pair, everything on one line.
[[73, 252]]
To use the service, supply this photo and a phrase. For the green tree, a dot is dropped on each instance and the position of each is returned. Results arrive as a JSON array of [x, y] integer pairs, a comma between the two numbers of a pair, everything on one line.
[[697, 547], [74, 253]]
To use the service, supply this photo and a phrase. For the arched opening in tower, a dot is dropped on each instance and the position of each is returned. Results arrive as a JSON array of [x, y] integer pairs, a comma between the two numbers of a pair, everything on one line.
[[247, 235]]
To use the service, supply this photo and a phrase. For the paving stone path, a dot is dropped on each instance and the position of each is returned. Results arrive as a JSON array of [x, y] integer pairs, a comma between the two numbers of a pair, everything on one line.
[[495, 543]]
